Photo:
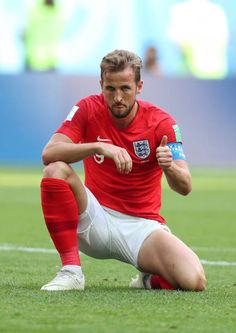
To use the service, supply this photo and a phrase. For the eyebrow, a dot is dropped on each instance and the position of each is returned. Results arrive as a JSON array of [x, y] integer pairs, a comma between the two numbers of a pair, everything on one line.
[[122, 86]]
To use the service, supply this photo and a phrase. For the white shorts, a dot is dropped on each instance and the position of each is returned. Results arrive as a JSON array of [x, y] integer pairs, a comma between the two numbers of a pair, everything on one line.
[[107, 234]]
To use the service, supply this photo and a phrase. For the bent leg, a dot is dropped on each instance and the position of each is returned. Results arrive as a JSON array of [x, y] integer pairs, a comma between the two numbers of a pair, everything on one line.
[[63, 197], [61, 170], [164, 254]]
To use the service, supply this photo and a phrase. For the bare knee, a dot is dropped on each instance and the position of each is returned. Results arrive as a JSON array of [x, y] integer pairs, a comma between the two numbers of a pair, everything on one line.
[[60, 170], [194, 281]]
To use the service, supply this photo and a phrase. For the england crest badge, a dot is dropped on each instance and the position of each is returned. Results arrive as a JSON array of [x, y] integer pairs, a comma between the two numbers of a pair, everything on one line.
[[142, 148]]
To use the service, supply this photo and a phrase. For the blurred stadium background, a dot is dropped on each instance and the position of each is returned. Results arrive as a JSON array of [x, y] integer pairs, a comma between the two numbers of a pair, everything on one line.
[[50, 53]]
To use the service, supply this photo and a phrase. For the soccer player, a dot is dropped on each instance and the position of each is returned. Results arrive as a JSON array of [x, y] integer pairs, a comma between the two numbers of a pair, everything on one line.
[[125, 144]]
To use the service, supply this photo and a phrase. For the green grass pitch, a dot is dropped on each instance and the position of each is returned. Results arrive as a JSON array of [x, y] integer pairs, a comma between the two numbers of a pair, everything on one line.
[[205, 220]]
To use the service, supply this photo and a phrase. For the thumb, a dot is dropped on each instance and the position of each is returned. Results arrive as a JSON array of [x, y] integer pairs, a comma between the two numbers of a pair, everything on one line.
[[164, 141]]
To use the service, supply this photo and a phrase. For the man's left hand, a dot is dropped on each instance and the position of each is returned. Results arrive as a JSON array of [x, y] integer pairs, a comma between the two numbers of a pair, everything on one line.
[[163, 154]]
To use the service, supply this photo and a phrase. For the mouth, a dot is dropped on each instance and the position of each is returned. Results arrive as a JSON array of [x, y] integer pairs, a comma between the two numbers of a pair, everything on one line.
[[118, 106]]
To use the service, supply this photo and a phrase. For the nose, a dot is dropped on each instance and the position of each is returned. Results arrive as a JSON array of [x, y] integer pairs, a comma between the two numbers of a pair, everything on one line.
[[117, 97]]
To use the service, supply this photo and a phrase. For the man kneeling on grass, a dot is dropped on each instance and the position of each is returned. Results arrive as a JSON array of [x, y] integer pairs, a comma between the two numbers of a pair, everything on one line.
[[126, 144]]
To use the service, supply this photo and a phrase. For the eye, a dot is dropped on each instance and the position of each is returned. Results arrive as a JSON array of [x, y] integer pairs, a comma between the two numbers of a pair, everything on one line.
[[125, 88], [110, 88]]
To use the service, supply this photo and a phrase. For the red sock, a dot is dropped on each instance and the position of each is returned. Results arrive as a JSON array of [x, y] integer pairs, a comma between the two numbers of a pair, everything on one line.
[[61, 216], [158, 282]]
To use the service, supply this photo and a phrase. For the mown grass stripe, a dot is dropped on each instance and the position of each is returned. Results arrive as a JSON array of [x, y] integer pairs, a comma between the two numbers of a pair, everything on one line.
[[32, 179], [10, 247]]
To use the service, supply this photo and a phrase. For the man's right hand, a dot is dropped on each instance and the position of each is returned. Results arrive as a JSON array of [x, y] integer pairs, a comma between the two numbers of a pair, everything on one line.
[[119, 155]]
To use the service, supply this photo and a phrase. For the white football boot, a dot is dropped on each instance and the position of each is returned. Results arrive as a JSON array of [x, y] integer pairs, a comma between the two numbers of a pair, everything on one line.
[[141, 281], [68, 278]]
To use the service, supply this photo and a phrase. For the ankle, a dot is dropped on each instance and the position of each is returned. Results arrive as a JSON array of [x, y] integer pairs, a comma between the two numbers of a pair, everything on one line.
[[73, 268]]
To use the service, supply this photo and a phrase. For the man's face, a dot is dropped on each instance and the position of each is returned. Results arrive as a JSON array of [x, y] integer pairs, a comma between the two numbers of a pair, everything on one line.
[[120, 90]]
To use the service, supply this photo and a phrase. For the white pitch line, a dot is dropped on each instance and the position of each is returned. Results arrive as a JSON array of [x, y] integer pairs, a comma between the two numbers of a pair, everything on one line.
[[19, 248], [213, 249], [10, 247], [218, 263]]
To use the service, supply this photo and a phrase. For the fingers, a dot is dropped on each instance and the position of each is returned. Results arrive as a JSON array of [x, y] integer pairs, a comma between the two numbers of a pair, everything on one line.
[[123, 161], [164, 141], [119, 155], [163, 154]]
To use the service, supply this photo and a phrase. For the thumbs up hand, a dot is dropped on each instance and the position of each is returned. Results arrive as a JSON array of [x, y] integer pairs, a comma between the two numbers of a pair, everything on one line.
[[164, 141], [163, 154]]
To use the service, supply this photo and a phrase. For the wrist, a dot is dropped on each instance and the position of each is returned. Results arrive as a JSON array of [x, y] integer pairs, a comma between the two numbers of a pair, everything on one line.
[[97, 148], [169, 168]]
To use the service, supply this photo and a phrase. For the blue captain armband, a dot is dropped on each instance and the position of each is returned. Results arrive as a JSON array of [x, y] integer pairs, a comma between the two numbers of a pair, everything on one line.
[[176, 150]]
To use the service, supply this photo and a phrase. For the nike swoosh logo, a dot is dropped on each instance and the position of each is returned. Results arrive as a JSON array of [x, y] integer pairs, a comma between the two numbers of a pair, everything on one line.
[[103, 139]]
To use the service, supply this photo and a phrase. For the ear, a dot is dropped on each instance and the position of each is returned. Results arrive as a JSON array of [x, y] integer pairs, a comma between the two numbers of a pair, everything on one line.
[[101, 83], [139, 86]]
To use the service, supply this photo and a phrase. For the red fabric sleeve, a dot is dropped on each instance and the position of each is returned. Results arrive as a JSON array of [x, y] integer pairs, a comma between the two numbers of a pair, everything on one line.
[[169, 128], [75, 123]]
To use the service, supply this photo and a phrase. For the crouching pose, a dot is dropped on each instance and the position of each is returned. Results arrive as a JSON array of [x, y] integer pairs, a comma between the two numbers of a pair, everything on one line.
[[126, 145]]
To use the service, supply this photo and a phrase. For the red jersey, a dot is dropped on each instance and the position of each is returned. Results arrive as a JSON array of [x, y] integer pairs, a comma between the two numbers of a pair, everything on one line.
[[137, 193]]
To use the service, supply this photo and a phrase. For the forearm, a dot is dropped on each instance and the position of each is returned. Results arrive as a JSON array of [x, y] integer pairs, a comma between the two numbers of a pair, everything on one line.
[[179, 179], [68, 152]]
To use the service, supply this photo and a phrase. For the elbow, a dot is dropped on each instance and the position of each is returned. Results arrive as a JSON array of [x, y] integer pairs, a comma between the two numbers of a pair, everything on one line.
[[46, 157], [185, 192], [187, 186], [186, 189]]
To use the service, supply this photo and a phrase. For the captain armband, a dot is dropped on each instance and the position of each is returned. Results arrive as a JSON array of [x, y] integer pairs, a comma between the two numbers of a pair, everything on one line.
[[177, 150]]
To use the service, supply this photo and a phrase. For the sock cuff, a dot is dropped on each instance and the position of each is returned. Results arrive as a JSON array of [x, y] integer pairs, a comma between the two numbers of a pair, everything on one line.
[[74, 269], [54, 184]]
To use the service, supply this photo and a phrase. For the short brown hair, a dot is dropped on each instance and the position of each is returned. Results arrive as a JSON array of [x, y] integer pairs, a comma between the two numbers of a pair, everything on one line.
[[118, 60]]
